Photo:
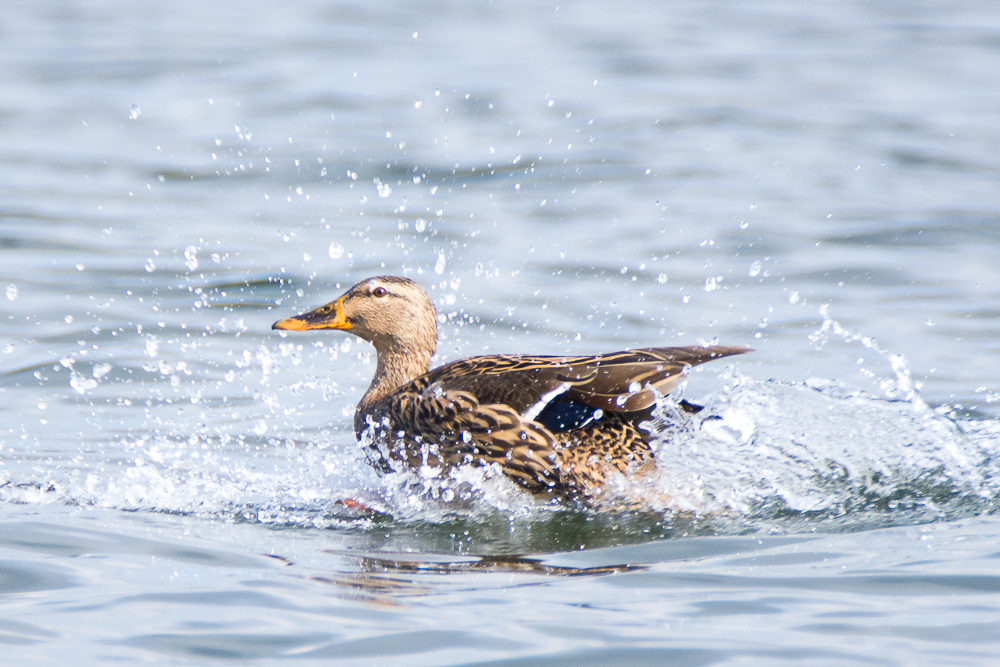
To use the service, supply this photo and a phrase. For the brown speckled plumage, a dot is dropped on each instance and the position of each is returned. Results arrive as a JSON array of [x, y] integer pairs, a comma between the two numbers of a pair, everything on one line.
[[553, 424]]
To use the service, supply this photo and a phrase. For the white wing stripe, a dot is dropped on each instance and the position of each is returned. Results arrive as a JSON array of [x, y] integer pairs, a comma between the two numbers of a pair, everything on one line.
[[536, 408]]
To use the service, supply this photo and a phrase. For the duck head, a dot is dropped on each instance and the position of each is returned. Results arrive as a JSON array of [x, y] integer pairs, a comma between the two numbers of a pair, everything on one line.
[[394, 314]]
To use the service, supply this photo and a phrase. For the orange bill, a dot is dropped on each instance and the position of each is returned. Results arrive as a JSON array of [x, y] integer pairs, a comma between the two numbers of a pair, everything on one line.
[[330, 316]]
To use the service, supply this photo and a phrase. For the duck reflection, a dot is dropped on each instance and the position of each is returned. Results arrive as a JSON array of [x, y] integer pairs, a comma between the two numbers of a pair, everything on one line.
[[384, 580]]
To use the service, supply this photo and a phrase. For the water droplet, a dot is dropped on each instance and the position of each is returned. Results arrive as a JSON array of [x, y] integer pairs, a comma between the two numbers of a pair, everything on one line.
[[793, 297], [755, 268], [11, 292], [440, 263], [152, 346], [134, 112], [81, 384], [662, 278], [150, 265], [711, 284], [191, 257], [336, 250], [420, 225]]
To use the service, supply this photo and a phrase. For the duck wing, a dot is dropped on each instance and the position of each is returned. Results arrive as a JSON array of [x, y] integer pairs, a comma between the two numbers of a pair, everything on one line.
[[511, 410], [626, 381]]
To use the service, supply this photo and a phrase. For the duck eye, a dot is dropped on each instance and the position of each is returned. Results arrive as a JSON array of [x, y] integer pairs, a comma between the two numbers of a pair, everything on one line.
[[379, 291]]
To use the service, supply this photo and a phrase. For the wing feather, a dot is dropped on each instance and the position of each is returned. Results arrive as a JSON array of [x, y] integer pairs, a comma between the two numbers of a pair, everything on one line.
[[618, 381]]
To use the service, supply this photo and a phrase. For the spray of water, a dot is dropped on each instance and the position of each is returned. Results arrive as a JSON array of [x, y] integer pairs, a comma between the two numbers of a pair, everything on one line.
[[762, 455]]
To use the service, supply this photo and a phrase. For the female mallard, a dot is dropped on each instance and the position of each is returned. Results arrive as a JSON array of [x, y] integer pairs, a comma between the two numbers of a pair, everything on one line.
[[554, 424]]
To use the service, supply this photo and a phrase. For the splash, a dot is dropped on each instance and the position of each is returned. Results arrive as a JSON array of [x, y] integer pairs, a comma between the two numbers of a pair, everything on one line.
[[763, 455], [764, 449], [899, 386], [271, 481], [773, 455]]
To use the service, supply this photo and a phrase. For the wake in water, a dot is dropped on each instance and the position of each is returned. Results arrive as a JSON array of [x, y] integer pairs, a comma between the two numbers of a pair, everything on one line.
[[764, 449], [761, 455], [776, 454]]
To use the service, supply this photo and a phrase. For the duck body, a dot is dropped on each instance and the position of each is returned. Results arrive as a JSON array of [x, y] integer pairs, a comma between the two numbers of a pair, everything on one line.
[[556, 425]]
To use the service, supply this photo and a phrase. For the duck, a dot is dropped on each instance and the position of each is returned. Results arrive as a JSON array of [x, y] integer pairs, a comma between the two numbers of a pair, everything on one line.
[[558, 426]]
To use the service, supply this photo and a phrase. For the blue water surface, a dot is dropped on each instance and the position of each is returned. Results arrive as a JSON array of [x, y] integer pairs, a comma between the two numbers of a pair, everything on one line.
[[817, 182]]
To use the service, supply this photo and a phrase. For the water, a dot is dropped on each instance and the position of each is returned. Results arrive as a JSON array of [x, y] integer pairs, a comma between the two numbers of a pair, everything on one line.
[[816, 183]]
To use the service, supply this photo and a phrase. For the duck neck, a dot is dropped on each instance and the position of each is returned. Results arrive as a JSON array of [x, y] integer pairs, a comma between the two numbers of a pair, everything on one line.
[[395, 367]]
